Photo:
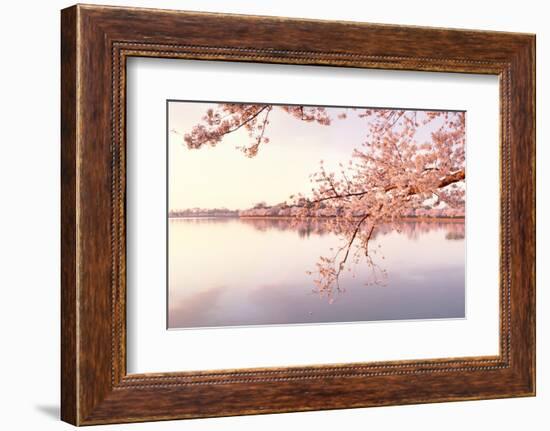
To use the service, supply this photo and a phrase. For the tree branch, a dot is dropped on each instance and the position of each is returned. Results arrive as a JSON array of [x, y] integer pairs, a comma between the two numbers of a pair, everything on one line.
[[443, 182], [246, 121], [263, 125]]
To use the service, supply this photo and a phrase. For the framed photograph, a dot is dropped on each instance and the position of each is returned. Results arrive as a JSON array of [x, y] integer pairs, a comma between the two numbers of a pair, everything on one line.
[[263, 214]]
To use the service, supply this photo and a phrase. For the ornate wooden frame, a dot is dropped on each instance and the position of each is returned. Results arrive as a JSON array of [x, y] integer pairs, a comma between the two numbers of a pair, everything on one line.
[[95, 43]]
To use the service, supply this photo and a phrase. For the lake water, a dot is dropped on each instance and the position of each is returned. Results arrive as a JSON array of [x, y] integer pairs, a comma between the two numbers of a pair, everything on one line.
[[231, 272]]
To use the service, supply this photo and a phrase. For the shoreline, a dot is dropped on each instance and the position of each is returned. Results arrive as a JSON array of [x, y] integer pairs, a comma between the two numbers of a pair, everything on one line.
[[405, 219]]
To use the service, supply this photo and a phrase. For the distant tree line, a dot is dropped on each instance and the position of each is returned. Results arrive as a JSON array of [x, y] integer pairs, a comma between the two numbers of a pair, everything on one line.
[[261, 209], [202, 212]]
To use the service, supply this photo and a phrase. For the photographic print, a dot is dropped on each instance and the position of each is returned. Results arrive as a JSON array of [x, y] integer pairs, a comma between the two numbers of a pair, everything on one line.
[[297, 214]]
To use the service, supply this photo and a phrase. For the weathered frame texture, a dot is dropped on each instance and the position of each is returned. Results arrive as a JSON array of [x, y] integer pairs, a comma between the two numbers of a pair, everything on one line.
[[95, 43]]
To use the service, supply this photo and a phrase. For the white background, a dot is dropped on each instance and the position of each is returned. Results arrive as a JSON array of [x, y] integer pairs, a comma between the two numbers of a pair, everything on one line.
[[151, 348], [29, 224]]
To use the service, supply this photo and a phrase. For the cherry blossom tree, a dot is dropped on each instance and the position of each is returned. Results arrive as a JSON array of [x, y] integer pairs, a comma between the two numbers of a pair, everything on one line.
[[408, 159], [230, 117]]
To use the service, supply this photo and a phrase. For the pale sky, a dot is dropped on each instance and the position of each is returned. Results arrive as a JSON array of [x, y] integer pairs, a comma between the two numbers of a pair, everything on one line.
[[223, 176]]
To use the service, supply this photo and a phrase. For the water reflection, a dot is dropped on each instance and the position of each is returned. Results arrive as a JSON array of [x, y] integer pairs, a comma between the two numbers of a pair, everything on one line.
[[322, 226], [253, 271]]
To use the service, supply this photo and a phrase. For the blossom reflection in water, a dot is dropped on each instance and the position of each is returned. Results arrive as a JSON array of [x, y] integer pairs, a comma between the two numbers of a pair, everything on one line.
[[254, 271]]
